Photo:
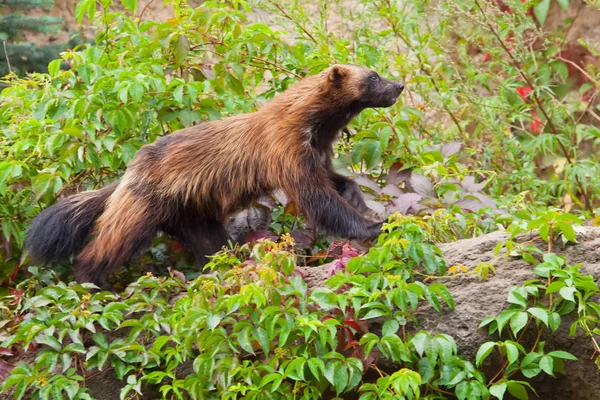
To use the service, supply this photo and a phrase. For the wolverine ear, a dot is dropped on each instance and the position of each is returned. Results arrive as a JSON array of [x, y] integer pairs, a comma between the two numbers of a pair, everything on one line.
[[336, 74]]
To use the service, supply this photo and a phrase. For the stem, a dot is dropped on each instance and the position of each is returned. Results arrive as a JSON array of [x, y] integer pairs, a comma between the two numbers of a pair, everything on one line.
[[288, 16], [422, 64], [538, 103]]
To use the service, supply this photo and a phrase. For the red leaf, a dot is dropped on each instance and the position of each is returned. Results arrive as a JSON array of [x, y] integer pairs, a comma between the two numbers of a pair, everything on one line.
[[302, 237], [353, 325], [176, 247], [536, 123], [524, 91], [5, 369], [258, 235], [587, 95]]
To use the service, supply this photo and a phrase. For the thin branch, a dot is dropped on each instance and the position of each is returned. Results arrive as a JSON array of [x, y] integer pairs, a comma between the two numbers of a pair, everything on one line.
[[538, 103], [279, 67], [288, 16], [144, 10], [6, 55]]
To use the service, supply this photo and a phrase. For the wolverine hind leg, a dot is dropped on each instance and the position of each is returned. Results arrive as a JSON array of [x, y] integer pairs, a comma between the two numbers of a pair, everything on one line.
[[125, 229], [203, 237]]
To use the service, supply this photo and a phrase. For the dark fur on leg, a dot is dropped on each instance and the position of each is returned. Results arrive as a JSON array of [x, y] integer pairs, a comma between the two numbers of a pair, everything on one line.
[[202, 237], [62, 229], [350, 191]]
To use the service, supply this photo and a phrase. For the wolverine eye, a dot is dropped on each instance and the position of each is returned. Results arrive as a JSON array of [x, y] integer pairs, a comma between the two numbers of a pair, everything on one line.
[[374, 77]]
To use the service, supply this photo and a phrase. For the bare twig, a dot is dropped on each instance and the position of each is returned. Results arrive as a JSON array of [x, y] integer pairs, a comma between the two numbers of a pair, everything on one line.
[[538, 103], [6, 55]]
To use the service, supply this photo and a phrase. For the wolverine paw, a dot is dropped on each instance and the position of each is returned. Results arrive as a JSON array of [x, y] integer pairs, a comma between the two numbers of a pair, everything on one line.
[[375, 230]]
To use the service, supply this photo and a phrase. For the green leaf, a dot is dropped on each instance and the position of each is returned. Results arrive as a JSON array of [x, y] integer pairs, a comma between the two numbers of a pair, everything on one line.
[[244, 340], [213, 321], [372, 153], [131, 5], [329, 371], [547, 365], [41, 184], [390, 327], [340, 377], [54, 67], [529, 365], [564, 4], [512, 352], [515, 297], [375, 313], [263, 339], [324, 298], [562, 354], [483, 352], [50, 341], [498, 390], [567, 231], [182, 48], [517, 390], [540, 314], [567, 293], [541, 10], [235, 84], [555, 287], [554, 321], [518, 322]]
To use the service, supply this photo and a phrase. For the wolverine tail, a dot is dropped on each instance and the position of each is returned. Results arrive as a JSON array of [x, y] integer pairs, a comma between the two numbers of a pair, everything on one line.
[[62, 229]]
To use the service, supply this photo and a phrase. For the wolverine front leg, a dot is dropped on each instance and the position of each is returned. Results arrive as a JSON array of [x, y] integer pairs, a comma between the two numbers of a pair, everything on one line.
[[350, 191], [326, 208]]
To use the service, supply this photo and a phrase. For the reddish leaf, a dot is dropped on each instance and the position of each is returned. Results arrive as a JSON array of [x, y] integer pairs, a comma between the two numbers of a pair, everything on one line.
[[536, 123], [6, 352], [422, 185], [524, 91], [302, 237], [587, 95], [178, 274], [353, 325], [397, 176], [365, 181], [5, 369], [351, 345], [392, 190], [176, 247], [376, 206], [469, 185], [476, 201], [335, 267], [258, 235], [450, 148], [406, 202], [335, 248]]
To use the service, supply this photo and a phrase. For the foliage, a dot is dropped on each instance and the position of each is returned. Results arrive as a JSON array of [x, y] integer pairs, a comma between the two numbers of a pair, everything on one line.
[[497, 130], [252, 329]]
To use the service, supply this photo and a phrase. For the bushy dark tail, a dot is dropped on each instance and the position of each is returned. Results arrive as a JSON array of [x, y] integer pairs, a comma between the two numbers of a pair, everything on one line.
[[62, 229]]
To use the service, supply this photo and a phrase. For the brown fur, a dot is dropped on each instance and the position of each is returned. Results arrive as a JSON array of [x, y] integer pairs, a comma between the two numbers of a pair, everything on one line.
[[187, 183]]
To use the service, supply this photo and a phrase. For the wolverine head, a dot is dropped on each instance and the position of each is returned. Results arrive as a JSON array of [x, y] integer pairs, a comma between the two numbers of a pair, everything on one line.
[[362, 86]]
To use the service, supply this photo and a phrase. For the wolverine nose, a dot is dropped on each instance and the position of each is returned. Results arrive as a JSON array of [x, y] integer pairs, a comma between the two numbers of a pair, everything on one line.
[[400, 87]]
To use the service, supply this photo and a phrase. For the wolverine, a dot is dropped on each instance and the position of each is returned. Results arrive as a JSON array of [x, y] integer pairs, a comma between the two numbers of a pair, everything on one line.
[[187, 183]]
